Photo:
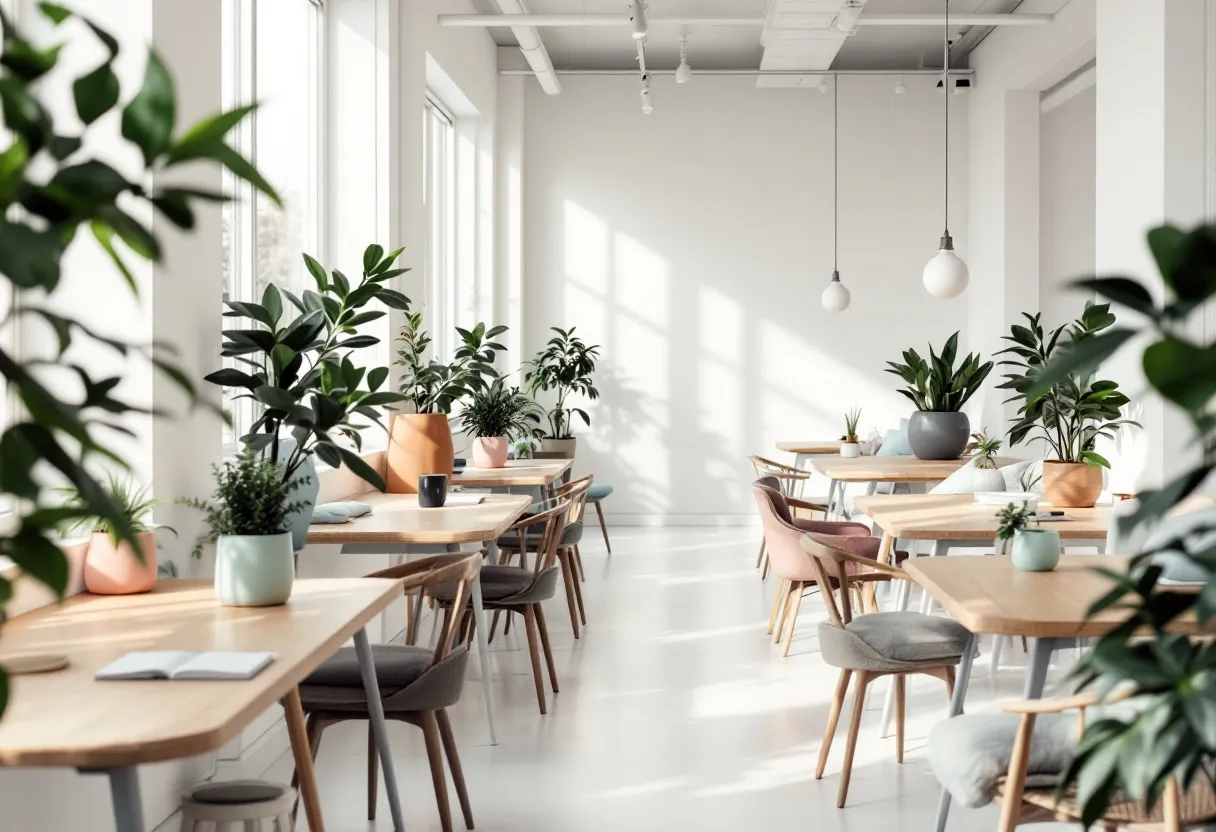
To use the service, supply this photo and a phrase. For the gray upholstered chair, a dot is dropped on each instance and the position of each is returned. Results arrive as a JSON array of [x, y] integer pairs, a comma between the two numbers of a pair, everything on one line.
[[874, 645], [417, 684]]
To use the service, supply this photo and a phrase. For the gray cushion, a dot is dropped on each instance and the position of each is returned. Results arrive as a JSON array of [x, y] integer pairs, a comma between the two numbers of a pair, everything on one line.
[[572, 535], [910, 636], [513, 583], [396, 666], [970, 753], [597, 492]]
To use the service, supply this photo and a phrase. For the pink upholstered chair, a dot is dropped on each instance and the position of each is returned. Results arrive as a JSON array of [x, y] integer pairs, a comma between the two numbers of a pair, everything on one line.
[[783, 533]]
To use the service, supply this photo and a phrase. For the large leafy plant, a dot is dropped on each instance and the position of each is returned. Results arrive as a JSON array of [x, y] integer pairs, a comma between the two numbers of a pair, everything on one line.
[[564, 367], [301, 370], [1073, 412], [52, 187], [434, 386], [935, 385], [1174, 733], [499, 410]]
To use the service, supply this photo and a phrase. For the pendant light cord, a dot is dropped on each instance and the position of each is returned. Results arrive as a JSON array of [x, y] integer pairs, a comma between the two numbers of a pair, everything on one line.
[[835, 175], [946, 92]]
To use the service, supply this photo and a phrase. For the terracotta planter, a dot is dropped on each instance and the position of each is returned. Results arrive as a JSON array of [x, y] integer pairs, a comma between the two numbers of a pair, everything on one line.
[[565, 447], [111, 570], [490, 451], [418, 443], [1071, 484]]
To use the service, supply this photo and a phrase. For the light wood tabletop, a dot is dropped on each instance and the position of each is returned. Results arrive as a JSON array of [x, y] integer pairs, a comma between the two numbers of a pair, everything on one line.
[[815, 447], [69, 719], [891, 468], [987, 595], [960, 517], [519, 472], [398, 519]]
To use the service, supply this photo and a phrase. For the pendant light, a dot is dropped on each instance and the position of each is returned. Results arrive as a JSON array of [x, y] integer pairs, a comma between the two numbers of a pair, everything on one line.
[[835, 297], [946, 275]]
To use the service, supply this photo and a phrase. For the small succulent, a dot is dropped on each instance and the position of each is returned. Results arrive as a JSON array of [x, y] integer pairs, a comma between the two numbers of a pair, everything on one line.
[[851, 419], [986, 449]]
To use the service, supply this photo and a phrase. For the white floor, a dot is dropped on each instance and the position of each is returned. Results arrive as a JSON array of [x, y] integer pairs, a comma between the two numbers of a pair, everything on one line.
[[675, 712]]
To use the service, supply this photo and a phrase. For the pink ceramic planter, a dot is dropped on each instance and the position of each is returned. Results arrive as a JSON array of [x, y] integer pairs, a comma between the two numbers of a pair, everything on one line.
[[490, 452], [110, 570]]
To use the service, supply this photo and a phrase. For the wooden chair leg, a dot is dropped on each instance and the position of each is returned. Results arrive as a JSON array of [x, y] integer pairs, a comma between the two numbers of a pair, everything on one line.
[[796, 601], [778, 602], [313, 727], [900, 698], [373, 766], [764, 566], [603, 526], [842, 689], [410, 635], [760, 555], [434, 754], [578, 590], [449, 748], [859, 705], [1015, 783], [563, 557], [950, 683], [783, 615], [544, 643], [578, 564], [494, 625], [534, 653], [302, 752]]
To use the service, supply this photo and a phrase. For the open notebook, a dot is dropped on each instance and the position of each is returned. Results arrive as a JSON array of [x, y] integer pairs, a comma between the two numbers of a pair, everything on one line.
[[178, 664]]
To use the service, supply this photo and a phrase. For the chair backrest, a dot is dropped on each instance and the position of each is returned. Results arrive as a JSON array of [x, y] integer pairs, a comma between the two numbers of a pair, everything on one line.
[[576, 492], [781, 537], [428, 573], [791, 479], [830, 564], [548, 525], [779, 504]]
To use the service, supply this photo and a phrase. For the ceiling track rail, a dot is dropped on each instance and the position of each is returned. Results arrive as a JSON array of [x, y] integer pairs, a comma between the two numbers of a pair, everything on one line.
[[579, 20]]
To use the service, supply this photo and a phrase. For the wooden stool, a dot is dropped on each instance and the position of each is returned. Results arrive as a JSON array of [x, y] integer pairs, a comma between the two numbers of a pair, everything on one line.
[[238, 806]]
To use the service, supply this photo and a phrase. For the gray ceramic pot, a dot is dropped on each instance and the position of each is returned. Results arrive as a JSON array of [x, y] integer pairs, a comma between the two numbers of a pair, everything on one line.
[[938, 435]]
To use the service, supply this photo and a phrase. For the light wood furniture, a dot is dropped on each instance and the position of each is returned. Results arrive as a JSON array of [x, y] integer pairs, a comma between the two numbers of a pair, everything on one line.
[[536, 473], [69, 719], [804, 449], [904, 471], [397, 525]]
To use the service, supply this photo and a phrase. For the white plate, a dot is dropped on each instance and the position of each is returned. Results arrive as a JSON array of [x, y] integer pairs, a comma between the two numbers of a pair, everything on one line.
[[1004, 498]]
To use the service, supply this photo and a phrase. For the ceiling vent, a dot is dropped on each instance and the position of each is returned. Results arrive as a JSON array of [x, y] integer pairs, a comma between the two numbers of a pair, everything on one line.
[[801, 38]]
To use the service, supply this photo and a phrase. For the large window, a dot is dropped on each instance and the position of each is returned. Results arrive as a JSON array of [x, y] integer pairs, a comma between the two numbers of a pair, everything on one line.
[[439, 140], [273, 55]]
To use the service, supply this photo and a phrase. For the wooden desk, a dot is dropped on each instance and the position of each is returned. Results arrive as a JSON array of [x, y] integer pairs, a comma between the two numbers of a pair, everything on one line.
[[397, 523], [806, 448], [69, 719], [959, 517], [537, 473]]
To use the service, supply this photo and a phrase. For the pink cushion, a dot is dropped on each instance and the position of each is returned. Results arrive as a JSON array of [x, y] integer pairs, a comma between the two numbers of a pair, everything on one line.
[[831, 528]]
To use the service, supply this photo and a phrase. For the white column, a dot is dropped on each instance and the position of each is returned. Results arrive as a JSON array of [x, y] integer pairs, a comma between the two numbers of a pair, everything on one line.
[[508, 297], [1151, 168]]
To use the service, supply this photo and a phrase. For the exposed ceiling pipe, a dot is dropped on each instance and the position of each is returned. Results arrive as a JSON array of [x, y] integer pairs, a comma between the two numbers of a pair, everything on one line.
[[623, 20], [530, 44], [810, 73]]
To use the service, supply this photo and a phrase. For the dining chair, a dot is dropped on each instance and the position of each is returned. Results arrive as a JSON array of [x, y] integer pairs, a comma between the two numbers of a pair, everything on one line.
[[417, 684], [568, 555], [783, 532], [791, 483], [873, 645], [522, 589]]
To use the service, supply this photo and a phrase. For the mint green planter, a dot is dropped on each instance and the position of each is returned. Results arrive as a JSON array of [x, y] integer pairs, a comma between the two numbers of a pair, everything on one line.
[[1035, 550], [254, 570]]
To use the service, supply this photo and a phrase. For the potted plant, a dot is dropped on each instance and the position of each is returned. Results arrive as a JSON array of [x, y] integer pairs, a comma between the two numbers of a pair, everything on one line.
[[849, 445], [114, 566], [302, 372], [249, 521], [1032, 549], [58, 186], [421, 442], [1071, 413], [987, 475], [493, 417], [939, 429], [564, 367]]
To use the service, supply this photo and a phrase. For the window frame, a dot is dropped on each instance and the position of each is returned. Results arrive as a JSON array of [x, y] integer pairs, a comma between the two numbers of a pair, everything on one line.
[[440, 201]]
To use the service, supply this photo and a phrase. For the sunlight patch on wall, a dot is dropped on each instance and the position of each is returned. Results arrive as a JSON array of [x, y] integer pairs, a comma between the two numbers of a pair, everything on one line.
[[586, 255], [641, 281]]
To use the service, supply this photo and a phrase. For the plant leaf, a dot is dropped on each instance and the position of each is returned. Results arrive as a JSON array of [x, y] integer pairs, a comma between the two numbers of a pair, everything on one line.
[[148, 119]]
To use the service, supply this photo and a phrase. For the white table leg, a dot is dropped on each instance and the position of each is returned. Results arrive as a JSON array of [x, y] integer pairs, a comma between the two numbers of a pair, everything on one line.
[[940, 547], [483, 645], [800, 460], [375, 712], [124, 795]]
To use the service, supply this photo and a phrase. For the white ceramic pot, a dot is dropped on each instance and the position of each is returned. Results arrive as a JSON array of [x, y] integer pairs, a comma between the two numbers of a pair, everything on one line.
[[565, 447], [849, 450], [254, 570]]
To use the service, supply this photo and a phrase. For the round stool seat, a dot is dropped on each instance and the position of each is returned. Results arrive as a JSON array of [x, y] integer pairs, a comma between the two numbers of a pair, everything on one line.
[[257, 804]]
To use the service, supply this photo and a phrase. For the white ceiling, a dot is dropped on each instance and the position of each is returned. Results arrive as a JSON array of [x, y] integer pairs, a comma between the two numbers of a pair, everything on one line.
[[721, 47]]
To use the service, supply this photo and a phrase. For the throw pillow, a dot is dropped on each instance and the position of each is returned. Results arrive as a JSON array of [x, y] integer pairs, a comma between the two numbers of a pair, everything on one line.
[[895, 441]]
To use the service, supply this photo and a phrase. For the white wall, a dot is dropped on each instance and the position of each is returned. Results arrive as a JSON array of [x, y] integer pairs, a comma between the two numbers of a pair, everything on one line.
[[1066, 215], [693, 245]]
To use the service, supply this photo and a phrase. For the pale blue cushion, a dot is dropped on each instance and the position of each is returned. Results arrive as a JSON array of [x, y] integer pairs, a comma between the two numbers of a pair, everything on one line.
[[895, 442], [597, 492], [339, 512]]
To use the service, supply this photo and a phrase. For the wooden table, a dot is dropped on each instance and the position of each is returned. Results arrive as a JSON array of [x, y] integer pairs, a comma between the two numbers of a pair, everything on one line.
[[893, 469], [69, 719], [397, 525], [806, 448], [534, 473]]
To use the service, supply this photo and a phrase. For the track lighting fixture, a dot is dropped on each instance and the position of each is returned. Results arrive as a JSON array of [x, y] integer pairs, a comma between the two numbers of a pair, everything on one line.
[[683, 71], [647, 105], [846, 18], [637, 19], [900, 86], [962, 85]]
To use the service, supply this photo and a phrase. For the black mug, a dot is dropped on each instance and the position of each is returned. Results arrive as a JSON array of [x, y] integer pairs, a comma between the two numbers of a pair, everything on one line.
[[432, 490]]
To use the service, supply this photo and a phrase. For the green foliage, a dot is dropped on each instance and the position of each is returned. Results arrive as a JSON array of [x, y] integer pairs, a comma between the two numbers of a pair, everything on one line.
[[251, 498], [135, 503], [564, 366], [1174, 735], [51, 188], [499, 410], [435, 387], [1074, 410], [1013, 518], [935, 385], [851, 419], [986, 448], [301, 372]]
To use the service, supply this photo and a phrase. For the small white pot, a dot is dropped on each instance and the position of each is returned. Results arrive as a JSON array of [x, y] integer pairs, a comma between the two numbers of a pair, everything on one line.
[[849, 450], [254, 570]]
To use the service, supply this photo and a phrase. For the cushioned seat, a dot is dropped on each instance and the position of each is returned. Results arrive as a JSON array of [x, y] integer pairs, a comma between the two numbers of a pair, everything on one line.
[[572, 535], [396, 666], [502, 582], [407, 680], [910, 636], [597, 492]]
